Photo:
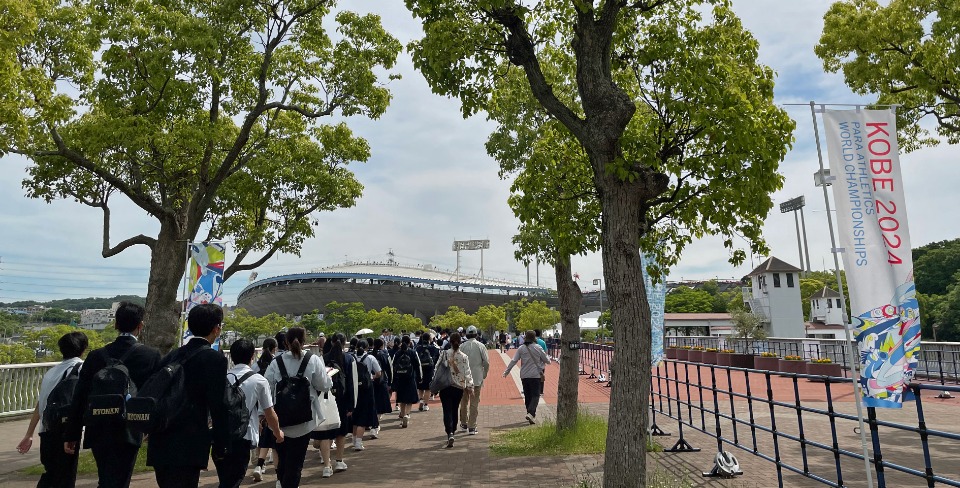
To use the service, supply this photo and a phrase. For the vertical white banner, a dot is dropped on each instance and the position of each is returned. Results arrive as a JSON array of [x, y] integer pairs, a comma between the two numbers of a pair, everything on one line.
[[872, 225]]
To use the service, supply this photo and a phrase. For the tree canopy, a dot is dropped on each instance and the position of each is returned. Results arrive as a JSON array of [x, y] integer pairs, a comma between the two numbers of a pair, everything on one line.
[[683, 299], [904, 51], [197, 113]]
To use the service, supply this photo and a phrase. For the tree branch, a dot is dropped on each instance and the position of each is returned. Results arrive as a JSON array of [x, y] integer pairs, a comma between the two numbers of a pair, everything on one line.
[[107, 251]]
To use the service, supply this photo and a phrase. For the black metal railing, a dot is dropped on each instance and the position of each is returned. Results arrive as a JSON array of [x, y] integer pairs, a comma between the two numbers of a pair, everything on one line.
[[806, 426]]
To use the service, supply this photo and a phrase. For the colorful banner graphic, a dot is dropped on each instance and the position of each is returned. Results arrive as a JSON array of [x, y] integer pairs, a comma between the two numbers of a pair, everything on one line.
[[206, 277], [656, 297], [872, 222]]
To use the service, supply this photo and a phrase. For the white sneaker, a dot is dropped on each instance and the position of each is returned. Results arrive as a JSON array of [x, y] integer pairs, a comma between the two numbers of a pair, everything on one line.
[[358, 445], [327, 471], [396, 408], [340, 466], [463, 427], [333, 445], [258, 474], [375, 433], [403, 421], [278, 484], [426, 408], [531, 419], [450, 440]]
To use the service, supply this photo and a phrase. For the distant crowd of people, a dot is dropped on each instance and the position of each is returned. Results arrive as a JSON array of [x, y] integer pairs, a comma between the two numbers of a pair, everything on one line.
[[191, 406]]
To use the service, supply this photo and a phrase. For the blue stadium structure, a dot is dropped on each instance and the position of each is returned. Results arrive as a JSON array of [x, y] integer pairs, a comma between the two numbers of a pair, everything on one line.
[[422, 291]]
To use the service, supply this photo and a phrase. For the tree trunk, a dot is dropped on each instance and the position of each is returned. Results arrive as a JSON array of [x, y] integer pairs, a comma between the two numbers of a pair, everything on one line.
[[570, 299], [162, 320], [625, 459]]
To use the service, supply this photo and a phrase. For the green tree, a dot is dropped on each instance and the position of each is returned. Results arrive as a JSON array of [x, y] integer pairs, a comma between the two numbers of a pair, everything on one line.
[[391, 318], [904, 51], [246, 326], [10, 325], [47, 338], [512, 310], [454, 318], [313, 323], [345, 317], [490, 319], [935, 266], [16, 354], [684, 299], [56, 316], [747, 326], [537, 315], [675, 116], [197, 113]]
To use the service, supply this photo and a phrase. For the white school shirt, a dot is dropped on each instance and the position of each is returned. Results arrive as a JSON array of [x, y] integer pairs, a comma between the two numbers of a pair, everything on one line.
[[317, 373], [256, 391], [50, 380], [372, 364]]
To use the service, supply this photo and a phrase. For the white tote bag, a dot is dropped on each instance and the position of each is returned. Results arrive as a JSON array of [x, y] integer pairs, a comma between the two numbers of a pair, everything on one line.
[[329, 411]]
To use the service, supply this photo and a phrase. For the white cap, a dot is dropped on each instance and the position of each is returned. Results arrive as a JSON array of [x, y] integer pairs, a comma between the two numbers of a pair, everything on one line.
[[471, 330]]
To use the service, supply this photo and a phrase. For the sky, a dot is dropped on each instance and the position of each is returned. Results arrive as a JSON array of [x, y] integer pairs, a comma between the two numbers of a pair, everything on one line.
[[430, 182]]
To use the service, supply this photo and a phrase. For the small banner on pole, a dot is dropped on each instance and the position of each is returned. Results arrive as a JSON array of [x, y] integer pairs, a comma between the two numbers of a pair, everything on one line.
[[872, 223], [656, 297], [205, 278]]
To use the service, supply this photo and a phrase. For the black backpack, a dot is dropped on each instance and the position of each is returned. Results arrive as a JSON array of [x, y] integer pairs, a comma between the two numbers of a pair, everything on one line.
[[364, 378], [163, 398], [386, 367], [59, 401], [293, 405], [109, 391], [426, 359], [339, 388], [403, 365], [238, 415]]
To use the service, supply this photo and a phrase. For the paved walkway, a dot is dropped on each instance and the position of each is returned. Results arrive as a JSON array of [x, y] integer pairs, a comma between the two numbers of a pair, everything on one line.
[[416, 455]]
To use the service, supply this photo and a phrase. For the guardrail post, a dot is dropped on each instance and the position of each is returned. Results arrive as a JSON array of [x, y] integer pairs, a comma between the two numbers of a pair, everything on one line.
[[943, 393], [877, 455], [716, 471], [655, 429], [682, 445], [773, 429], [924, 444], [835, 446]]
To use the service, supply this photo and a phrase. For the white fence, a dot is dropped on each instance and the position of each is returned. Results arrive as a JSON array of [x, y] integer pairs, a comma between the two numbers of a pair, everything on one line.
[[20, 387]]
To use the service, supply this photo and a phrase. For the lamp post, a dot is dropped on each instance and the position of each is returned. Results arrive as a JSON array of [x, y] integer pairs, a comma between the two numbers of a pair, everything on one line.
[[934, 327], [597, 281]]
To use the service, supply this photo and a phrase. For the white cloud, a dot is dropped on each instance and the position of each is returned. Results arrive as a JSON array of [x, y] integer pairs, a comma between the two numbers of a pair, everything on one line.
[[430, 181]]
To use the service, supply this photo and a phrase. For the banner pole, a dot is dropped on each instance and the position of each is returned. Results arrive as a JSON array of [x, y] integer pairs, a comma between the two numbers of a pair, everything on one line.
[[183, 293], [853, 365]]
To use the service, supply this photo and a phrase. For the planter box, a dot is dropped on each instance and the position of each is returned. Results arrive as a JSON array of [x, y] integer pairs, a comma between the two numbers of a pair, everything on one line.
[[789, 366], [682, 354], [695, 356], [766, 363], [708, 357], [824, 369], [724, 358], [671, 352], [742, 360]]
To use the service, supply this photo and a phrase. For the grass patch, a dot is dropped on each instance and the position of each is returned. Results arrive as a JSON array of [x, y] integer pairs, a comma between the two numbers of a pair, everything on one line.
[[589, 436], [87, 465]]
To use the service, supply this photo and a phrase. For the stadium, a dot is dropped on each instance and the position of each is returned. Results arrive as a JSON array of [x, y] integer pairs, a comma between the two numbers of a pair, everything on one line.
[[420, 290]]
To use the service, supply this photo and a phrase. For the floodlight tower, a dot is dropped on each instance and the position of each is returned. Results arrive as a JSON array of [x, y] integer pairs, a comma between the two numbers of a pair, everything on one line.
[[471, 245], [795, 205]]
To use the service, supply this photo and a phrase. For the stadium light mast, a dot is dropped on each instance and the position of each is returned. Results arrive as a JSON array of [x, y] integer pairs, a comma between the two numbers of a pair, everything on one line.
[[471, 245], [796, 205]]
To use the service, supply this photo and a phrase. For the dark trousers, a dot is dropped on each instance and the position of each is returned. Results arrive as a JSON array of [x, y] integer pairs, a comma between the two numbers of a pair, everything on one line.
[[450, 400], [531, 394], [291, 453], [233, 467], [115, 464], [177, 476], [60, 468]]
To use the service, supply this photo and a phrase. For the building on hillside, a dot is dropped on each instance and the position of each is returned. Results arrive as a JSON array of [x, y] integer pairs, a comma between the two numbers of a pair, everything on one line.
[[826, 315], [774, 296], [97, 318], [691, 324]]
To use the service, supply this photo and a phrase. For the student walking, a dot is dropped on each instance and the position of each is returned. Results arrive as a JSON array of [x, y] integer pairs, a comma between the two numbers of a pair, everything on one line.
[[340, 369], [266, 438], [114, 446], [297, 419], [479, 366], [179, 453], [381, 387], [429, 354], [365, 414], [532, 363], [450, 396], [232, 468], [407, 374], [59, 468]]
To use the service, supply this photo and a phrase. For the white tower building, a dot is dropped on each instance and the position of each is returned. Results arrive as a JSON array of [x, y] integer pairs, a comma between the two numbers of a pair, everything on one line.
[[774, 295], [825, 307]]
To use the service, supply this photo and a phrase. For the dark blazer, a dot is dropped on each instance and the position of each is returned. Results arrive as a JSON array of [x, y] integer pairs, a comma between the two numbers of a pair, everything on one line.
[[142, 363], [187, 443]]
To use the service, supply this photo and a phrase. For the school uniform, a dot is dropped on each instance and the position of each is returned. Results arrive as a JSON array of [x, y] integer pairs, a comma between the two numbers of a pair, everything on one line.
[[365, 415], [381, 387], [114, 449], [293, 450], [406, 386], [232, 468], [181, 452], [423, 383], [59, 468]]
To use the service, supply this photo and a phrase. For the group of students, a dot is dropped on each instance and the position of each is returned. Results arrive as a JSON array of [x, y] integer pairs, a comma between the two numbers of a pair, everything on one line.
[[191, 407]]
